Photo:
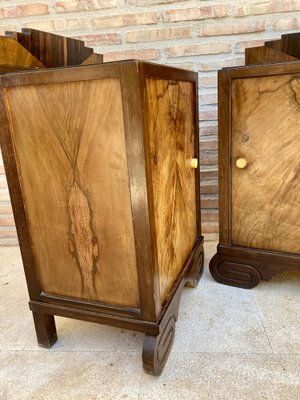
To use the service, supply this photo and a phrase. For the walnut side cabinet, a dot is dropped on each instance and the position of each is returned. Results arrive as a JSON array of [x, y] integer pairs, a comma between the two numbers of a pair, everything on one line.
[[259, 172], [101, 163]]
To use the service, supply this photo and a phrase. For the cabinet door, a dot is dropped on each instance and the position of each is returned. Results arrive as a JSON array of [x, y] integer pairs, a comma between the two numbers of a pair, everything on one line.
[[265, 162]]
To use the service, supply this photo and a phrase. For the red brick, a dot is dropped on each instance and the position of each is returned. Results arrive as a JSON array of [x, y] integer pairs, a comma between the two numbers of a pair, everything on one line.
[[24, 10], [148, 54], [99, 39], [198, 49], [209, 114], [208, 144], [210, 227], [5, 28], [241, 46], [219, 64], [7, 221], [58, 25], [208, 98], [158, 34], [207, 82], [267, 7], [209, 215], [183, 65], [208, 130], [232, 28], [209, 202], [286, 24], [125, 20], [5, 209], [4, 196], [142, 3], [84, 5], [208, 174], [209, 158], [8, 234], [197, 13], [208, 187]]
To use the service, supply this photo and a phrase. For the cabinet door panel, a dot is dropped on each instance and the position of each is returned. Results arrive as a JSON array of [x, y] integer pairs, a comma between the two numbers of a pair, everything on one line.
[[265, 199], [70, 149], [171, 106]]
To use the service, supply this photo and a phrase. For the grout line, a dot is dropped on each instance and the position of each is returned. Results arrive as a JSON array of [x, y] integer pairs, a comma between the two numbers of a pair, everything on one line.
[[76, 351], [260, 317]]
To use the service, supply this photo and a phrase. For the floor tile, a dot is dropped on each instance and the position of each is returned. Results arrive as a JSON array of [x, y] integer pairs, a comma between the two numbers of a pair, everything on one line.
[[220, 376], [84, 336], [51, 375], [219, 318], [278, 303]]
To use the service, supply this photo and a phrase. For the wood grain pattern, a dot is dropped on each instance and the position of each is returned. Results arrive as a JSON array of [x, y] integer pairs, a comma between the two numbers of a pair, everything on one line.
[[266, 194], [264, 55], [171, 134], [13, 54], [73, 173]]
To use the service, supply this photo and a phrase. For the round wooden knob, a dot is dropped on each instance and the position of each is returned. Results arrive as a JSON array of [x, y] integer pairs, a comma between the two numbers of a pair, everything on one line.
[[241, 163], [194, 163]]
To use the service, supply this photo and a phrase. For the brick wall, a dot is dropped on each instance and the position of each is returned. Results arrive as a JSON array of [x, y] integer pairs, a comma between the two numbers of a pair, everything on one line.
[[203, 35]]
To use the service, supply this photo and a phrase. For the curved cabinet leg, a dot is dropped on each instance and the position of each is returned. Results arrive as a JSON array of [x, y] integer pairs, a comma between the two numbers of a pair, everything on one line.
[[45, 329], [233, 273], [194, 277], [156, 349]]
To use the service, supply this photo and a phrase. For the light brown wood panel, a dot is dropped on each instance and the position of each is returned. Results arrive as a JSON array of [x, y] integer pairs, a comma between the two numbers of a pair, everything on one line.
[[12, 53], [70, 148], [266, 193], [171, 107]]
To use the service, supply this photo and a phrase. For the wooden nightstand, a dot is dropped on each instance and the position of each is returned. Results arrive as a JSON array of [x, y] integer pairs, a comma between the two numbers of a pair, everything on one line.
[[259, 171], [101, 163]]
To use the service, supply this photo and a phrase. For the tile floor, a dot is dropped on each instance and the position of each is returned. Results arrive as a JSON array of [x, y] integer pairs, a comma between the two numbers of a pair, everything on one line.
[[230, 344]]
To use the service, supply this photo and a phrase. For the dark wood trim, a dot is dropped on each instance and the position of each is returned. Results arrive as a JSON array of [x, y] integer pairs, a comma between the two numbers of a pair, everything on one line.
[[233, 265], [224, 112], [92, 316], [91, 305], [157, 348], [152, 70], [135, 148], [247, 71], [244, 267], [197, 155], [15, 191], [62, 75]]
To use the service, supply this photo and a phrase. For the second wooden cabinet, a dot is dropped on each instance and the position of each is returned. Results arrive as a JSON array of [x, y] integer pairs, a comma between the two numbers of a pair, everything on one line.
[[101, 163], [259, 173]]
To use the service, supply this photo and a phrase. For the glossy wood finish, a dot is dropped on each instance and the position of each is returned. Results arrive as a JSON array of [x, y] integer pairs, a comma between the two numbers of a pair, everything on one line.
[[12, 54], [54, 50], [171, 133], [265, 55], [269, 218], [259, 227], [283, 50], [91, 147], [74, 229]]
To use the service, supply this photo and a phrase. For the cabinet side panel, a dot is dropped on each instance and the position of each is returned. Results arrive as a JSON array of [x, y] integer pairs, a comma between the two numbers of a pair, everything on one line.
[[171, 117], [70, 150], [266, 192]]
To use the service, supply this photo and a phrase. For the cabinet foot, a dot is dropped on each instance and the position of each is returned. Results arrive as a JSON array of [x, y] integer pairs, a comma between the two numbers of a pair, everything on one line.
[[156, 349], [45, 329], [233, 273], [197, 270]]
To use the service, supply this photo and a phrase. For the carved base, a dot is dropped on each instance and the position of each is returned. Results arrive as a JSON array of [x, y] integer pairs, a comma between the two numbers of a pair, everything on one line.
[[233, 273], [246, 267], [159, 335], [156, 349]]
